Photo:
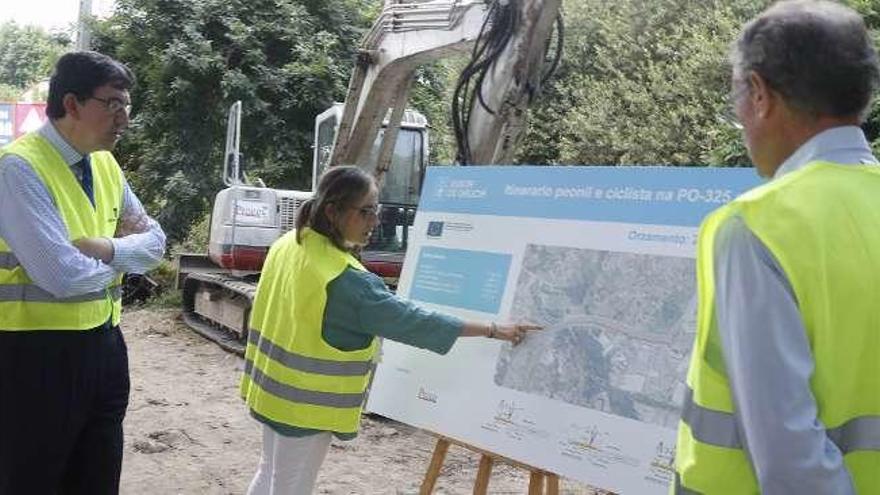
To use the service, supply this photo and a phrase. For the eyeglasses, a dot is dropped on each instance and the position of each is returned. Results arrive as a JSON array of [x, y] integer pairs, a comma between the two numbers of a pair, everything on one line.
[[728, 115], [114, 105], [372, 211]]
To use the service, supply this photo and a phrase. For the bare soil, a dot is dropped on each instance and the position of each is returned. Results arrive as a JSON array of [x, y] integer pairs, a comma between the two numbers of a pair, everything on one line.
[[187, 432]]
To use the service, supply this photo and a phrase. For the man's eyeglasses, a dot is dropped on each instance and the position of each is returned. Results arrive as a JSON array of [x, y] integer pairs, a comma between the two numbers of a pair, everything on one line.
[[114, 105], [370, 211], [727, 116]]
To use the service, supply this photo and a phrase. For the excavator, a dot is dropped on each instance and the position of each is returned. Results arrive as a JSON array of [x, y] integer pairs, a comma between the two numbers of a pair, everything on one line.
[[514, 47]]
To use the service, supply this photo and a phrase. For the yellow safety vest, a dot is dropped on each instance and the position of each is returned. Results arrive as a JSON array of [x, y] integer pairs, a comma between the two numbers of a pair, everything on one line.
[[292, 376], [24, 305], [822, 224]]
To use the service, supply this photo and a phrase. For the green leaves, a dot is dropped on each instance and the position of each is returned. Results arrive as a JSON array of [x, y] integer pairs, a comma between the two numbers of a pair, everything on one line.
[[646, 82], [27, 54], [641, 83], [287, 60]]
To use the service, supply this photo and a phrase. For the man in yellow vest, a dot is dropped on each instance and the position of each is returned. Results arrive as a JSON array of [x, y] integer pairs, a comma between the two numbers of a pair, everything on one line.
[[784, 381], [70, 226]]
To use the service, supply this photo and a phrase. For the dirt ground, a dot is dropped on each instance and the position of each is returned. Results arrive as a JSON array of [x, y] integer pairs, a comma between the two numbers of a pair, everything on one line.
[[187, 432]]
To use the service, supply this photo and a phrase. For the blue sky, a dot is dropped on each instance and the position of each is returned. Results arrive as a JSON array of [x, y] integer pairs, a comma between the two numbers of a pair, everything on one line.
[[49, 14]]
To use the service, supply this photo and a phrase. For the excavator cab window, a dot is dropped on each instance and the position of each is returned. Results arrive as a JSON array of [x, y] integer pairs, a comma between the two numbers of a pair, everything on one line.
[[402, 180], [324, 145], [400, 192]]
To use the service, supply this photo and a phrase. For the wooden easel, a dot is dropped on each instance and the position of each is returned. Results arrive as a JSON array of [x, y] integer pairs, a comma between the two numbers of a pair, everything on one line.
[[538, 480]]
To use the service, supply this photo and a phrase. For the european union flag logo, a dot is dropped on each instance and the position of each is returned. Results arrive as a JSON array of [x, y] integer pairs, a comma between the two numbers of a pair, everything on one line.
[[435, 229]]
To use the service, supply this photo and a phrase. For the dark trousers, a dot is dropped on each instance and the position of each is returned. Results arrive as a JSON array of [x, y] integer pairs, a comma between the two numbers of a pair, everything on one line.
[[63, 395]]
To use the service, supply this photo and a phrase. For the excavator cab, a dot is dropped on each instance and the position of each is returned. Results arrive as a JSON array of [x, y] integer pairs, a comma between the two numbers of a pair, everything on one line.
[[399, 194]]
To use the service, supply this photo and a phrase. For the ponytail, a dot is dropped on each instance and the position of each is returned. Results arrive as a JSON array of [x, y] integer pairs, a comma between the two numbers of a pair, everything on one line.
[[303, 218]]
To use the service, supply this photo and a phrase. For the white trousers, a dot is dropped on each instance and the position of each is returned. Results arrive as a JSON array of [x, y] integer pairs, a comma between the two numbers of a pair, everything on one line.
[[289, 465]]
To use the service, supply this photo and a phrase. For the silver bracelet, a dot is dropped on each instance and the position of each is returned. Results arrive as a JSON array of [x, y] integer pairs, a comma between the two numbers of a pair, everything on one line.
[[492, 330]]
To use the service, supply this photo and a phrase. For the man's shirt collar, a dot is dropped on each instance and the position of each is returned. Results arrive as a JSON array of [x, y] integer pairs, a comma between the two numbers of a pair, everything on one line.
[[67, 151], [844, 145]]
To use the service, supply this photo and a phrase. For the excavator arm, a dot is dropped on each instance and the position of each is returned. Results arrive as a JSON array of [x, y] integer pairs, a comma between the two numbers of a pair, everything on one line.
[[511, 61], [508, 40]]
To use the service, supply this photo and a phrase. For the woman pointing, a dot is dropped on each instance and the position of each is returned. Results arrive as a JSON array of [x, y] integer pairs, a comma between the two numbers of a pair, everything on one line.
[[314, 323]]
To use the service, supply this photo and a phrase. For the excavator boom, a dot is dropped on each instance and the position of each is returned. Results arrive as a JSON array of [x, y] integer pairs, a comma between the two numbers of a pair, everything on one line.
[[509, 40]]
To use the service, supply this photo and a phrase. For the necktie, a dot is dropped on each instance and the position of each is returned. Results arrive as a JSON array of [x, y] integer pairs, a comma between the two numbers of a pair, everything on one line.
[[85, 166]]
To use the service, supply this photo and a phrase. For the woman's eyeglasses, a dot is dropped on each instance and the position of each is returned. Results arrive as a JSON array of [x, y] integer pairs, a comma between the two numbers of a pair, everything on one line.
[[372, 211]]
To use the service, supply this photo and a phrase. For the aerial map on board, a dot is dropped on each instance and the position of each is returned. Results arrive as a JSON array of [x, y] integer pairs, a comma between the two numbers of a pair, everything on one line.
[[618, 327]]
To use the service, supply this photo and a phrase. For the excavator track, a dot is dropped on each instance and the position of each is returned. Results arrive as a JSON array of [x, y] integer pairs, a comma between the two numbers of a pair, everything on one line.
[[217, 307]]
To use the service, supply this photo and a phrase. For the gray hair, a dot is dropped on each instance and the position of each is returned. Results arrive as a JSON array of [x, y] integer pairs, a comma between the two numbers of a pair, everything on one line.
[[816, 54]]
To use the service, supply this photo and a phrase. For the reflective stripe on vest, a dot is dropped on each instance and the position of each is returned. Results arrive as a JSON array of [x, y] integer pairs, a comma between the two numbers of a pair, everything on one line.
[[33, 293], [307, 364], [8, 261], [862, 433], [719, 429], [708, 426], [302, 396]]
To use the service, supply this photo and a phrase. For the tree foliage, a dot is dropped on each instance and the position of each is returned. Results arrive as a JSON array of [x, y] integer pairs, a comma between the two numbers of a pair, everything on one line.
[[9, 92], [870, 10], [27, 54], [642, 83], [646, 82], [287, 60]]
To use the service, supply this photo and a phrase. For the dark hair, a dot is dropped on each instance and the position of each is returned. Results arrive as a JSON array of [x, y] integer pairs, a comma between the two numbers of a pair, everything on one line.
[[817, 54], [81, 73], [342, 186]]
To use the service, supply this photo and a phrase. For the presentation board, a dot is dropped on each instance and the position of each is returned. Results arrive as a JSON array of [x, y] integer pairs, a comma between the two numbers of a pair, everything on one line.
[[603, 259]]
